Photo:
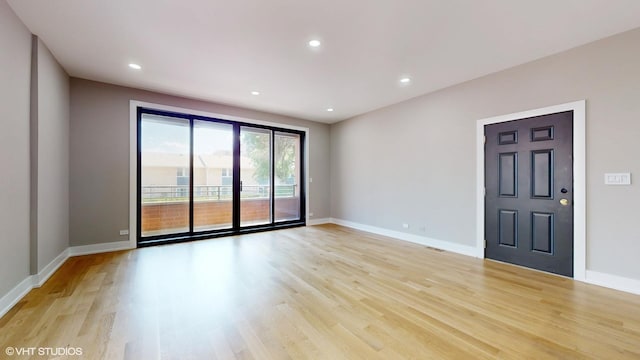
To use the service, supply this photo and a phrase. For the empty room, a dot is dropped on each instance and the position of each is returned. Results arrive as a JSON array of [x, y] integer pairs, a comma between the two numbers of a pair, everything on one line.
[[415, 179]]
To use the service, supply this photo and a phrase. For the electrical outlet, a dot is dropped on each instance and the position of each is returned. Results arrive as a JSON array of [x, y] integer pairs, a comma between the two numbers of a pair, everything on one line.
[[124, 232], [310, 214], [406, 226]]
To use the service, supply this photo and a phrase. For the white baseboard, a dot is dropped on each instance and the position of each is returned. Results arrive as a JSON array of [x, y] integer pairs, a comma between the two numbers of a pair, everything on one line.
[[613, 282], [43, 275], [422, 240], [16, 294], [35, 281], [319, 221], [99, 248], [32, 282]]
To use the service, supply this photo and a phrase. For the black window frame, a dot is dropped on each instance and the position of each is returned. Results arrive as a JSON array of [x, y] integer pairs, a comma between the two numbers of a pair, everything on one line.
[[235, 229]]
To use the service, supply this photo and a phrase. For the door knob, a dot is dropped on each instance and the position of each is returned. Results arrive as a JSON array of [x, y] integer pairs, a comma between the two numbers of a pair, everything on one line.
[[564, 202]]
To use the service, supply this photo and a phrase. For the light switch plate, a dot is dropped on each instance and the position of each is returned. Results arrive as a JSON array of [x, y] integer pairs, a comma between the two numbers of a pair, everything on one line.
[[617, 179]]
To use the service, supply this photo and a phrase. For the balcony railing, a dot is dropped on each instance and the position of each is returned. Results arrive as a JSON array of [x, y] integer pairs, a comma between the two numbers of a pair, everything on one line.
[[173, 193]]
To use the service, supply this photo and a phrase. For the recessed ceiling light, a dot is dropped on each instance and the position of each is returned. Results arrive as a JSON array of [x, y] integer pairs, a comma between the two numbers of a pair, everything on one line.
[[329, 109], [405, 80], [314, 43], [255, 93], [135, 66]]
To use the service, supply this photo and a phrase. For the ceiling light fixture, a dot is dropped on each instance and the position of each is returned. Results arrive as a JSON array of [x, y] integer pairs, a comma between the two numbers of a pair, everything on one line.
[[405, 80], [255, 93], [330, 109], [135, 66], [314, 43]]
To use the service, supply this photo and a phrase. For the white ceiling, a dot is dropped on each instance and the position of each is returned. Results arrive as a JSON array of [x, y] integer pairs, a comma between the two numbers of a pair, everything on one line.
[[222, 50]]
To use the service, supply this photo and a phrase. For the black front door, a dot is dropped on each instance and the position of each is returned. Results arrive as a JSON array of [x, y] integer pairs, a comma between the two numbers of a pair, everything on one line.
[[529, 192]]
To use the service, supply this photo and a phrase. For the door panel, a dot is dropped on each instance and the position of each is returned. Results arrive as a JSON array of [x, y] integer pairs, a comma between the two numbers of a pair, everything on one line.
[[542, 174], [508, 174], [508, 225], [287, 177], [529, 192], [542, 232], [164, 163], [255, 176], [212, 175]]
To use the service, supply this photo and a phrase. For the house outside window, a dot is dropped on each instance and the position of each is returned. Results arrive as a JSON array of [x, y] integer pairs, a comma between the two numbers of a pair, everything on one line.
[[182, 180], [227, 177]]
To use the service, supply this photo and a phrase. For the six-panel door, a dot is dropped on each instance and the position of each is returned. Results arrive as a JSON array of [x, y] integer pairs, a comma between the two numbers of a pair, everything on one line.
[[529, 192]]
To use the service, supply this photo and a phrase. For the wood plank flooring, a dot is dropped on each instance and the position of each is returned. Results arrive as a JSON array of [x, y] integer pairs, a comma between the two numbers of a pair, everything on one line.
[[320, 292]]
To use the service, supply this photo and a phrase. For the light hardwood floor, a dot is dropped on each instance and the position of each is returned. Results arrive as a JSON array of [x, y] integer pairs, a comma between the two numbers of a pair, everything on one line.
[[321, 292]]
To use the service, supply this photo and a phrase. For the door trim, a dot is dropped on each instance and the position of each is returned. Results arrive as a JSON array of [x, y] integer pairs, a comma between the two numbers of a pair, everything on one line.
[[579, 177]]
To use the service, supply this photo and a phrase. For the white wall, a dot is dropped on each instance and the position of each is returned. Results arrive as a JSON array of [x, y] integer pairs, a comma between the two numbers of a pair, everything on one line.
[[34, 157], [53, 158], [414, 162], [15, 55]]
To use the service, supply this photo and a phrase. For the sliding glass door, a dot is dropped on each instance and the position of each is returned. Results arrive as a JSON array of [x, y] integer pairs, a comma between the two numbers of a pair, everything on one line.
[[212, 175], [255, 176], [201, 177], [287, 176], [165, 175]]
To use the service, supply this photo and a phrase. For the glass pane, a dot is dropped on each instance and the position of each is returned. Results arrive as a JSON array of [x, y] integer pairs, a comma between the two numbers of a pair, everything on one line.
[[212, 175], [255, 175], [165, 175], [287, 177]]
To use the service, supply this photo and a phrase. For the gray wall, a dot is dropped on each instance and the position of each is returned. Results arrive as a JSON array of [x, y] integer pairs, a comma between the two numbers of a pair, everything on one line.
[[414, 162], [15, 60], [53, 157], [99, 160]]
